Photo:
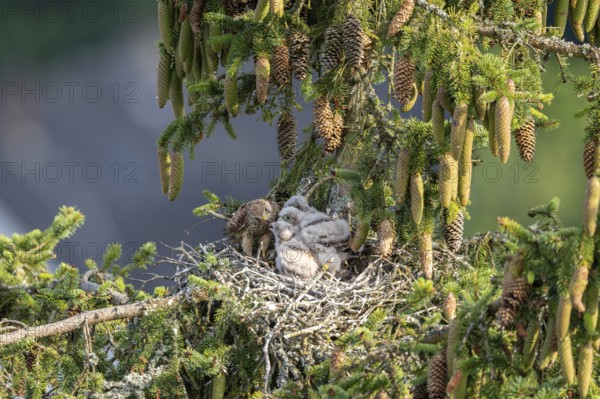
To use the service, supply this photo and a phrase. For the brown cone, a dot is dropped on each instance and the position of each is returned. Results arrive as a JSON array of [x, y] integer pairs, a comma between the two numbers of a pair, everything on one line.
[[450, 307], [437, 378], [419, 391], [503, 121], [525, 140], [401, 18], [513, 299], [590, 158], [333, 48], [354, 42], [299, 47], [404, 72], [262, 71], [281, 64], [196, 14], [386, 235], [426, 255], [286, 136], [453, 232], [337, 123]]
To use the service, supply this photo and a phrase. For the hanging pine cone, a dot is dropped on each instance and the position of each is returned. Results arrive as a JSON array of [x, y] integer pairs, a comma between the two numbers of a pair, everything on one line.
[[360, 235], [437, 378], [231, 95], [163, 76], [512, 300], [386, 235], [404, 72], [417, 197], [30, 357], [591, 204], [590, 158], [419, 391], [281, 64], [335, 140], [299, 54], [286, 136], [450, 307], [525, 140], [262, 72], [176, 176], [426, 254], [333, 47], [453, 232], [401, 18], [164, 167], [166, 18], [354, 42], [323, 118], [196, 14], [428, 96], [503, 120]]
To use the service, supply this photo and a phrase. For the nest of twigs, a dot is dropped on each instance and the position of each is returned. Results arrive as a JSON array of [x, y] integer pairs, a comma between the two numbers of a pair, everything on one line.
[[300, 320]]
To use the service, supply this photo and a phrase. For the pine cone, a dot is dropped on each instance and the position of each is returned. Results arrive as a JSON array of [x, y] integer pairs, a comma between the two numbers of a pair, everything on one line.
[[323, 118], [354, 42], [590, 158], [428, 95], [164, 167], [448, 179], [453, 232], [337, 123], [281, 64], [525, 139], [577, 286], [333, 47], [465, 167], [426, 254], [176, 95], [565, 358], [416, 197], [386, 235], [450, 307], [592, 201], [419, 391], [197, 12], [437, 378], [286, 136], [586, 366], [444, 99], [176, 176], [459, 129], [437, 122], [299, 54], [186, 41], [491, 128], [163, 76], [513, 299], [402, 175], [503, 121], [261, 11], [166, 19], [401, 18], [262, 71], [404, 72], [30, 358], [230, 92], [360, 235]]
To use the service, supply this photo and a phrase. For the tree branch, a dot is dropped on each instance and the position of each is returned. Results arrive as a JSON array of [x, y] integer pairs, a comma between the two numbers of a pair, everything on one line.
[[92, 317], [544, 43]]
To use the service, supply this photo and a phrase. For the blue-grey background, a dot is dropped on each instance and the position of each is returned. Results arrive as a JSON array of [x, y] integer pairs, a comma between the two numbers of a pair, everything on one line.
[[79, 121]]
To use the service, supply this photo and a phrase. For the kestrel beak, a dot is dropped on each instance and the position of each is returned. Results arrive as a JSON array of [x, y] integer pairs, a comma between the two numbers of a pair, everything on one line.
[[265, 216]]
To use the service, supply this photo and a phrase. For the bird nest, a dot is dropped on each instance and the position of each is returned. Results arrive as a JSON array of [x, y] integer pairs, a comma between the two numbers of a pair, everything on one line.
[[299, 320]]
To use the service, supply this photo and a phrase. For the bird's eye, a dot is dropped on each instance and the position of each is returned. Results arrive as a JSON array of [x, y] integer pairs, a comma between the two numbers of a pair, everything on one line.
[[286, 217]]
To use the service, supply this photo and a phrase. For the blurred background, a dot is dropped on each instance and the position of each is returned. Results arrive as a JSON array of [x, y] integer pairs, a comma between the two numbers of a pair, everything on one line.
[[79, 121]]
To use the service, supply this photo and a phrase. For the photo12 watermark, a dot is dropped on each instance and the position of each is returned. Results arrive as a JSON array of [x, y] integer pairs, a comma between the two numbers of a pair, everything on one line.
[[70, 92], [69, 172], [238, 172]]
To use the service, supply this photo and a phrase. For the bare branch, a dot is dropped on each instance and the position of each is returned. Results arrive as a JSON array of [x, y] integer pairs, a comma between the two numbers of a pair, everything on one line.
[[92, 317], [543, 43]]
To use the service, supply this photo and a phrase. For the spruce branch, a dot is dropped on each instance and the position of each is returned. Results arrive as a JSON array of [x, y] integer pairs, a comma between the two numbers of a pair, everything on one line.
[[508, 34]]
